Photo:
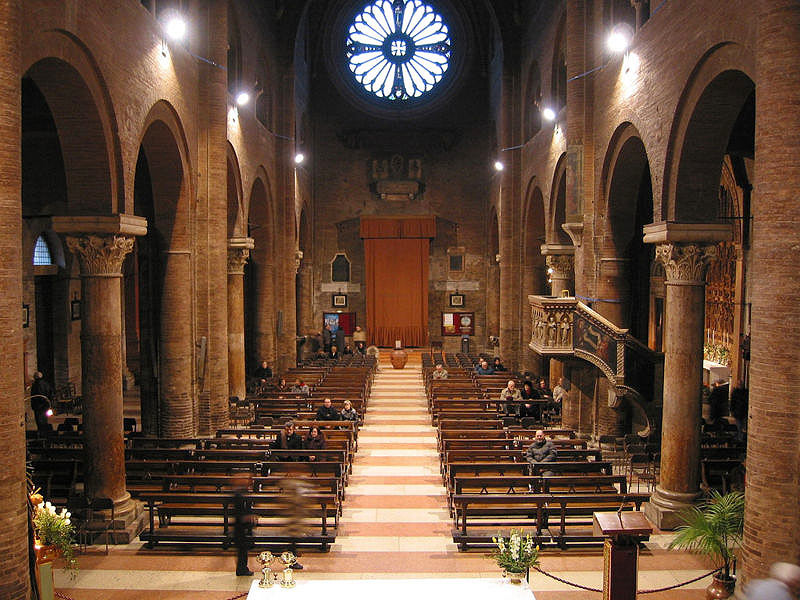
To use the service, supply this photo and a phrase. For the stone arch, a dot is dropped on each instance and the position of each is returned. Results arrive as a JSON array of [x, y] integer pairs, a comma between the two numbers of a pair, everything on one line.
[[557, 207], [259, 276], [534, 270], [236, 220], [710, 104], [162, 194], [304, 277], [493, 274], [68, 76]]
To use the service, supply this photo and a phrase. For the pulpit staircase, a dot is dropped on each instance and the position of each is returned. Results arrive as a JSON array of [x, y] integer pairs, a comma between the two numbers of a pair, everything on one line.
[[567, 328]]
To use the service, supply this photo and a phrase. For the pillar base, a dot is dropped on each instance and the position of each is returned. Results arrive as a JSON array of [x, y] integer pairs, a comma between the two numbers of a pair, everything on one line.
[[664, 507], [130, 519]]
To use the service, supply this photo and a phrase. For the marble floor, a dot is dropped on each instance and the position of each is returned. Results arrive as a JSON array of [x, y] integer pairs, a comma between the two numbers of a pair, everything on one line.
[[394, 525]]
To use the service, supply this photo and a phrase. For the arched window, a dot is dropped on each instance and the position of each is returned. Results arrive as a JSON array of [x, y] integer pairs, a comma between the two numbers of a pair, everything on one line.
[[41, 252], [558, 84]]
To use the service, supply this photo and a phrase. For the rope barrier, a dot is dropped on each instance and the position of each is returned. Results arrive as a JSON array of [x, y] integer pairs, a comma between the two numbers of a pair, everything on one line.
[[652, 591]]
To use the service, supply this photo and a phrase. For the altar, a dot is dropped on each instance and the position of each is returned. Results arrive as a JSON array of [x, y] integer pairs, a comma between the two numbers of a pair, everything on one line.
[[391, 589]]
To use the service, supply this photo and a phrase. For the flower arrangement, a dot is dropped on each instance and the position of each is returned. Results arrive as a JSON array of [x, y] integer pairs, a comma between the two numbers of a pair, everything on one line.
[[54, 528], [517, 554]]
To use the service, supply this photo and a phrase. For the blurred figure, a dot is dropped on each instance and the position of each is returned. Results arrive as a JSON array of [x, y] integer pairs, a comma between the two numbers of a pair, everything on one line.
[[739, 408], [244, 521], [296, 510], [559, 392], [360, 339], [439, 372], [783, 583], [41, 392]]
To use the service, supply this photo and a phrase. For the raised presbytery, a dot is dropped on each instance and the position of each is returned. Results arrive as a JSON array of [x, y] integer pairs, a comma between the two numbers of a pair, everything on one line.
[[222, 217]]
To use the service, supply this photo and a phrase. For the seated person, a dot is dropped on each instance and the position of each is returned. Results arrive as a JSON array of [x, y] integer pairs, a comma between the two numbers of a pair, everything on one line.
[[484, 369], [300, 387], [558, 395], [347, 350], [360, 339], [498, 366], [541, 450], [348, 412], [510, 398], [315, 440], [263, 372], [334, 354], [529, 409], [439, 372], [326, 412], [544, 390], [287, 439]]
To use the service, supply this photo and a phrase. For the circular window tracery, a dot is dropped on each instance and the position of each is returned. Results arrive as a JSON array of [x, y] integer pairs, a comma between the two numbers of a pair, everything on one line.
[[398, 49]]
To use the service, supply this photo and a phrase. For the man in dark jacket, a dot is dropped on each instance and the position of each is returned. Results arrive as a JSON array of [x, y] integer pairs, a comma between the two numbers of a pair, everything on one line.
[[243, 523], [41, 392], [541, 450], [287, 439], [326, 412]]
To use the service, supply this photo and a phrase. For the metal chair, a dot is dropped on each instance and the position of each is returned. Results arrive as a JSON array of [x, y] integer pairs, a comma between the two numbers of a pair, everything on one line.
[[79, 508], [101, 521]]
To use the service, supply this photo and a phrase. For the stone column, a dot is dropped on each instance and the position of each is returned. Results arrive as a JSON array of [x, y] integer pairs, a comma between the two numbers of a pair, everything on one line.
[[559, 269], [101, 244], [13, 509], [772, 511], [238, 253], [685, 266]]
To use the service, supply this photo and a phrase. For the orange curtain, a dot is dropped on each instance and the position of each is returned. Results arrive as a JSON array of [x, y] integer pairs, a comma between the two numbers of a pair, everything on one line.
[[397, 290]]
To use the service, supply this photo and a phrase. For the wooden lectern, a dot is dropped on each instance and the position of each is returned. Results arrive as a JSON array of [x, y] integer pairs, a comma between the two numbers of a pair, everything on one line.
[[623, 532]]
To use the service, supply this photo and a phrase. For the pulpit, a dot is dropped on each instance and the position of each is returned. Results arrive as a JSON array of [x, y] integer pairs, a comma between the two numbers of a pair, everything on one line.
[[623, 532]]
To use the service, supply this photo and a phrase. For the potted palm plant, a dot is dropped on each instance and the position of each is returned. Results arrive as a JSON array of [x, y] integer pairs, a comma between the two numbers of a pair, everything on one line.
[[715, 529], [515, 555]]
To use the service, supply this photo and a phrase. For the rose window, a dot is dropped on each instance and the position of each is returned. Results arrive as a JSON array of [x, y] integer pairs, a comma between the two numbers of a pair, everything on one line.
[[398, 49]]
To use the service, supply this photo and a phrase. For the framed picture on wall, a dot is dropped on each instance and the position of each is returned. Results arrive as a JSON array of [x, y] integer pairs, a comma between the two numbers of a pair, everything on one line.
[[339, 300], [75, 310], [26, 315], [456, 299]]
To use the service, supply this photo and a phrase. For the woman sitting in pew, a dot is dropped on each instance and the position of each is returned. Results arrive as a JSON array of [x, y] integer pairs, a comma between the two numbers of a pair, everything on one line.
[[315, 440], [348, 412]]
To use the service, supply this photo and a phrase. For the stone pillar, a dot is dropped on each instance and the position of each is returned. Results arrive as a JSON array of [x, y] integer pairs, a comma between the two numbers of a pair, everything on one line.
[[13, 508], [559, 270], [772, 511], [492, 296], [613, 291], [685, 266], [101, 244], [238, 253]]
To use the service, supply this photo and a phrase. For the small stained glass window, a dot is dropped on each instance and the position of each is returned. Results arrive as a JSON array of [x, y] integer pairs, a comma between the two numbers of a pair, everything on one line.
[[41, 252], [398, 49]]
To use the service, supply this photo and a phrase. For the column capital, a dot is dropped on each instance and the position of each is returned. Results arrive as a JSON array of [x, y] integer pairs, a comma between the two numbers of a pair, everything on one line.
[[562, 265], [238, 253], [685, 264], [100, 255]]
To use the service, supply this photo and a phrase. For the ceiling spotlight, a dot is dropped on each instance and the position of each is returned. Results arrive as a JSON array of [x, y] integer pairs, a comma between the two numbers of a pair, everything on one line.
[[548, 114], [299, 158], [176, 28], [242, 98], [498, 166], [620, 38]]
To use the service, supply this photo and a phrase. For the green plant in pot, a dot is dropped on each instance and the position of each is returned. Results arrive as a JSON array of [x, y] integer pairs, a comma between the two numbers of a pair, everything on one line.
[[515, 555], [55, 534], [714, 529]]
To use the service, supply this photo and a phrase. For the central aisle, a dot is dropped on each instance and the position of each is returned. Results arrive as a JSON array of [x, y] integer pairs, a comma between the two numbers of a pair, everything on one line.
[[395, 515]]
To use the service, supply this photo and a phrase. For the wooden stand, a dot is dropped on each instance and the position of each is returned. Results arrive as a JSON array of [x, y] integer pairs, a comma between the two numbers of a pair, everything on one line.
[[624, 531]]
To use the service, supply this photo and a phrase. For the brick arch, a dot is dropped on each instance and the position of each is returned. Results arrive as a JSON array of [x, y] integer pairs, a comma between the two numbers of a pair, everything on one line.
[[710, 103], [236, 221], [86, 135], [165, 270], [260, 280], [557, 205], [625, 165]]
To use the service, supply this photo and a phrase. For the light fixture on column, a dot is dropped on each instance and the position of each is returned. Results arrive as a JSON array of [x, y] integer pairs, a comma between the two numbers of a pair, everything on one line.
[[619, 40], [549, 113], [499, 166], [242, 98], [299, 158], [175, 30]]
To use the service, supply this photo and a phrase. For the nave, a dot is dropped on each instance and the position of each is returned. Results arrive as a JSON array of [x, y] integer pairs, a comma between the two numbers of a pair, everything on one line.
[[394, 525]]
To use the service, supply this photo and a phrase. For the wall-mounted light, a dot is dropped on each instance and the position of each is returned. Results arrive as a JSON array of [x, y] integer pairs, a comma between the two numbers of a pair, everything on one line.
[[242, 98], [548, 114], [299, 158], [175, 28], [498, 166], [619, 40]]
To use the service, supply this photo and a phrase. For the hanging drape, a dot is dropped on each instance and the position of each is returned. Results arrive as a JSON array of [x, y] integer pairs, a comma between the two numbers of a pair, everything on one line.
[[397, 255]]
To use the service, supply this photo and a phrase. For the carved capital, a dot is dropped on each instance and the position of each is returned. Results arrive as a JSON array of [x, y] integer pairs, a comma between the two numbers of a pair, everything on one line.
[[237, 257], [685, 264], [100, 255], [560, 266]]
